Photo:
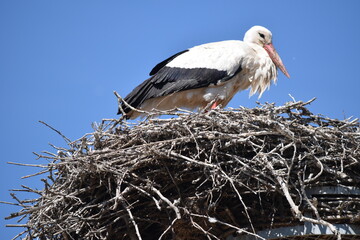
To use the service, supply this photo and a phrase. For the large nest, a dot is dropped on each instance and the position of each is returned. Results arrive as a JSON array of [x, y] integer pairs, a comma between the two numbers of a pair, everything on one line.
[[197, 176]]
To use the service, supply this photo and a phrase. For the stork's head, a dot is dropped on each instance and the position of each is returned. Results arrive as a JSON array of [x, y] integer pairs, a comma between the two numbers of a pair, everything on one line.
[[263, 37]]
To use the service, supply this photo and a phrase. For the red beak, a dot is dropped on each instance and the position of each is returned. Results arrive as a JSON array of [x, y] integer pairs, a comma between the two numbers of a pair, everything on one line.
[[276, 58]]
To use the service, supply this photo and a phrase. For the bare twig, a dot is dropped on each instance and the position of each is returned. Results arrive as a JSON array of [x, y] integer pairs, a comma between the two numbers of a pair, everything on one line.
[[206, 175], [57, 131]]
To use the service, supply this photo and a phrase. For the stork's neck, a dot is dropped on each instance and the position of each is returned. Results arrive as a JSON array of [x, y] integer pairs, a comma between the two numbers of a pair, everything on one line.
[[260, 69], [260, 51]]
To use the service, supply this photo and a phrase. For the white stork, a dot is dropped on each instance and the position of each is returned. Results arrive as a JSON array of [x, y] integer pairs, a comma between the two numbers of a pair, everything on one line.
[[212, 72]]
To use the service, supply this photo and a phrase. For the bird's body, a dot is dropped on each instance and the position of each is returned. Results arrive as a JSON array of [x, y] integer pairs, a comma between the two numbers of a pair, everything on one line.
[[209, 72]]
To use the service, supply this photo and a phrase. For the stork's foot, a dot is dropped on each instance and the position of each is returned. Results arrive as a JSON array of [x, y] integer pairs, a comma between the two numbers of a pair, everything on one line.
[[214, 105]]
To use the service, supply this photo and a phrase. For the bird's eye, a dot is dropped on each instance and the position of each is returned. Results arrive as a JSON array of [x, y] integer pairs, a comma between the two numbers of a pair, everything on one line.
[[262, 35]]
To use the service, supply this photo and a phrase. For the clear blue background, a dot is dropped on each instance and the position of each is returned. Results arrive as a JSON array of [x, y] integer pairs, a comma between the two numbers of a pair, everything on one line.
[[60, 62]]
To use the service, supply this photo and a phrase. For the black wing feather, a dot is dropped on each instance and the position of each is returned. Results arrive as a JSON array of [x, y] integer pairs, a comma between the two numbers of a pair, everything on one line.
[[169, 80], [166, 61]]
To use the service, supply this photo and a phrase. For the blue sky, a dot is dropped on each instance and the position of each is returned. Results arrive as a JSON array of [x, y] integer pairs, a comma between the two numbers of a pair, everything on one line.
[[60, 62]]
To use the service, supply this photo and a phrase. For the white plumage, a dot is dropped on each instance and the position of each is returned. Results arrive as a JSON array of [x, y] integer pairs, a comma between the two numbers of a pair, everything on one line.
[[213, 71], [222, 56]]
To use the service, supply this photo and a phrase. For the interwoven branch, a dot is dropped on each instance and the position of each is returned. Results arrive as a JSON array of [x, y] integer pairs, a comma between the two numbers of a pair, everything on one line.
[[196, 176]]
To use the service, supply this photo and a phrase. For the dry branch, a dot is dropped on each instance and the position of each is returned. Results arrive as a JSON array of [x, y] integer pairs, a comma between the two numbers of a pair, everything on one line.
[[196, 176]]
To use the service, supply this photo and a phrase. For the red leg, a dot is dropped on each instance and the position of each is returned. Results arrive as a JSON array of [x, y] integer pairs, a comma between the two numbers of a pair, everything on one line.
[[214, 105]]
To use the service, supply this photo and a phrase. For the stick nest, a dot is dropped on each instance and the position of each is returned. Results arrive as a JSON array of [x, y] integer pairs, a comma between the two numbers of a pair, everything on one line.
[[197, 176]]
